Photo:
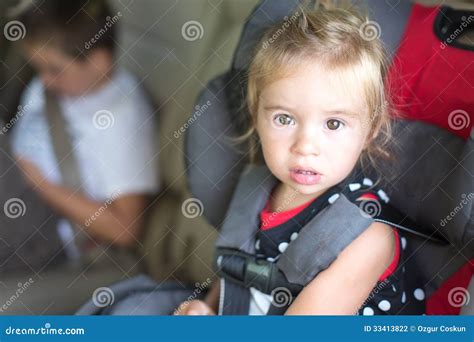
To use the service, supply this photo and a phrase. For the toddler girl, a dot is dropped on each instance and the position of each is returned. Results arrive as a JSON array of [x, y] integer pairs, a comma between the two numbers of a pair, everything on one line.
[[319, 109]]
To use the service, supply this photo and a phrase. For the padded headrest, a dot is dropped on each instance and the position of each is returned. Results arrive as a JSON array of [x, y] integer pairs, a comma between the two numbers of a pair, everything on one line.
[[214, 162], [391, 18], [266, 14]]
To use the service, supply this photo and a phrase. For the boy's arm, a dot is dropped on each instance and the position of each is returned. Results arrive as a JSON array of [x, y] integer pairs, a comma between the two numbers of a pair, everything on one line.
[[119, 223], [345, 285]]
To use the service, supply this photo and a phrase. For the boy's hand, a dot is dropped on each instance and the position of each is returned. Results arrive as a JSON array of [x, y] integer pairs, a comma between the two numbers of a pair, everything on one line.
[[32, 173], [194, 308]]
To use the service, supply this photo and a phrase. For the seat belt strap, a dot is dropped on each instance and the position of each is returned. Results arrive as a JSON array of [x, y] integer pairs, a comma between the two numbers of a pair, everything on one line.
[[66, 159]]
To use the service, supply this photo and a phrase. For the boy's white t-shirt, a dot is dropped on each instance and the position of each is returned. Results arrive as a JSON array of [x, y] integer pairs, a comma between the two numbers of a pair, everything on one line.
[[112, 131]]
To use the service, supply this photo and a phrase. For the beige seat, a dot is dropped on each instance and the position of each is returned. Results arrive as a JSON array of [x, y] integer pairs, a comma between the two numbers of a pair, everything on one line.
[[175, 64]]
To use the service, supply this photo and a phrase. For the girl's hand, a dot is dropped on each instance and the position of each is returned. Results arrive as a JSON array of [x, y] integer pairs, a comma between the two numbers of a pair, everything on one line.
[[194, 308]]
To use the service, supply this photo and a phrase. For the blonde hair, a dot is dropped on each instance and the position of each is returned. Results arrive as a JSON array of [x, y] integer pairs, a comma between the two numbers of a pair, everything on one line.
[[341, 40]]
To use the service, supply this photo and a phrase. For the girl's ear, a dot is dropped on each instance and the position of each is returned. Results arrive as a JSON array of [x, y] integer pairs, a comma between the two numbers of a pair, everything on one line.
[[376, 121], [373, 134], [254, 123]]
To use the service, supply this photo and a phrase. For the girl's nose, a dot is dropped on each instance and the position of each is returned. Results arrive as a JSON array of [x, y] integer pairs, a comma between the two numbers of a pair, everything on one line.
[[306, 143]]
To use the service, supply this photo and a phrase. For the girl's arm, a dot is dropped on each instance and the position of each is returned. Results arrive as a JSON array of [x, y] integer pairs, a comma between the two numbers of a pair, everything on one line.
[[212, 297], [343, 287]]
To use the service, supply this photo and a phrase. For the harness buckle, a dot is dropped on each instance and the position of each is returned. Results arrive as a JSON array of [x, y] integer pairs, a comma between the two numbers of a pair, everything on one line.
[[248, 271]]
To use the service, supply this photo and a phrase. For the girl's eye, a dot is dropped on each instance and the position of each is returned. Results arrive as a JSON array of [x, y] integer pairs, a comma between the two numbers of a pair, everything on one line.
[[334, 124], [283, 120]]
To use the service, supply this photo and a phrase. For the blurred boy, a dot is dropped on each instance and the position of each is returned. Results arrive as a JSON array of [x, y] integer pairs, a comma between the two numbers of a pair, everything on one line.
[[107, 119]]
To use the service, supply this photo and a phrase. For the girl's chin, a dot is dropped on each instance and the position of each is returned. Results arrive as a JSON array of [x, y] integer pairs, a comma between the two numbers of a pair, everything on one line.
[[309, 190]]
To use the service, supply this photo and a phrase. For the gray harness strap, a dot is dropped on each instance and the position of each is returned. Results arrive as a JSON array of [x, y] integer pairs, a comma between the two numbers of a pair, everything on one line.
[[328, 233], [238, 232], [250, 197]]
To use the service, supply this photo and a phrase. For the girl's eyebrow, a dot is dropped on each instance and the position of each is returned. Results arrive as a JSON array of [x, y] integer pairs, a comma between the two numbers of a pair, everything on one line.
[[342, 112], [278, 107]]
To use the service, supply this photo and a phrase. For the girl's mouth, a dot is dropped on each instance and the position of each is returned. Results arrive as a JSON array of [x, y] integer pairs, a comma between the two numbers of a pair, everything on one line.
[[305, 176]]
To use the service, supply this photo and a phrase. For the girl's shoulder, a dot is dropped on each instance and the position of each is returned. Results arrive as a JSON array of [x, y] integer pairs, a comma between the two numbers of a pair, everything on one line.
[[373, 201]]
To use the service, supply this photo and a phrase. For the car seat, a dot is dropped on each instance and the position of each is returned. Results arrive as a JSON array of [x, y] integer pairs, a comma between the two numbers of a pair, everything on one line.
[[428, 155], [434, 172]]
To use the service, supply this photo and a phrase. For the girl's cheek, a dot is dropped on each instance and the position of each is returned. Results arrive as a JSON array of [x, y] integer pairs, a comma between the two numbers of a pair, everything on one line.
[[279, 135], [347, 137], [271, 143], [346, 147]]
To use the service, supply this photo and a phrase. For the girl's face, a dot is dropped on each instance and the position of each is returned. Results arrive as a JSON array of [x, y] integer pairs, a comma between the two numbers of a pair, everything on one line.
[[313, 128]]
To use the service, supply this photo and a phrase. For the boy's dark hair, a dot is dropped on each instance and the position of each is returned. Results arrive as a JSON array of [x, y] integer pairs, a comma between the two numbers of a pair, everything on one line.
[[75, 26]]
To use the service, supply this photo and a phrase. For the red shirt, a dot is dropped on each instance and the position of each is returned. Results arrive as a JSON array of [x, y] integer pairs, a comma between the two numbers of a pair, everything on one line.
[[271, 219]]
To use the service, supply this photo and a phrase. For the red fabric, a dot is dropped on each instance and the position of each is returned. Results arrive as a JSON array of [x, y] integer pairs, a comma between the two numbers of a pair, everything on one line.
[[432, 81], [394, 264], [448, 298], [367, 196], [271, 219]]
